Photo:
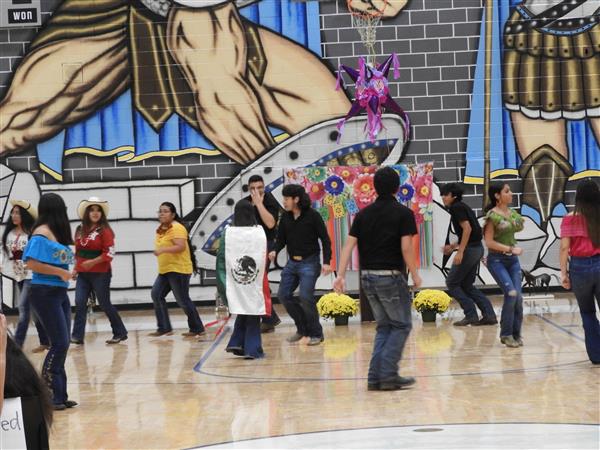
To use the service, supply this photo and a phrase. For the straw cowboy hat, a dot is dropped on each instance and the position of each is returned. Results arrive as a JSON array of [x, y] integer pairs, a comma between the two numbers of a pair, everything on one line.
[[89, 202], [26, 206]]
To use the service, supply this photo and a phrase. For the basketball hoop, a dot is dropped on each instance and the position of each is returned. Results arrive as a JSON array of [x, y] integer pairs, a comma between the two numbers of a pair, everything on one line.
[[366, 16]]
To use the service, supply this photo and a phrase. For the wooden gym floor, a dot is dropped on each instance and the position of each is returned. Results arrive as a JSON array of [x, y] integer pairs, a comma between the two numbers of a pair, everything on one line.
[[471, 391]]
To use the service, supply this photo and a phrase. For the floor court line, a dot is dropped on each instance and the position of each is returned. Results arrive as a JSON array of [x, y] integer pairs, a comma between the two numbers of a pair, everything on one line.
[[560, 327]]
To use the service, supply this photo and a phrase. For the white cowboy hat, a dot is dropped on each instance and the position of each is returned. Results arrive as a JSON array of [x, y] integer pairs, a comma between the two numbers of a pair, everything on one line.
[[92, 201], [26, 206]]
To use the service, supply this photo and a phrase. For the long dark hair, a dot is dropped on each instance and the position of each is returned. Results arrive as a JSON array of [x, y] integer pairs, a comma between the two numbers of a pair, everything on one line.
[[53, 213], [22, 380], [493, 190], [27, 222], [86, 224], [295, 190], [178, 219], [243, 214], [587, 204]]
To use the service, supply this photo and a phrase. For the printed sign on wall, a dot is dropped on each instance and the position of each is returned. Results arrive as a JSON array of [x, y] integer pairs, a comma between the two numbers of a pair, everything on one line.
[[20, 13]]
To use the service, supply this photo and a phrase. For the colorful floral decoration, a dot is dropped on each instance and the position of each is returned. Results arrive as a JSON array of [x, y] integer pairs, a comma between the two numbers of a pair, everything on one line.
[[334, 185], [351, 206], [324, 211], [329, 200], [423, 193], [316, 174], [364, 190], [316, 192], [406, 192], [348, 174], [338, 193], [338, 210], [402, 173]]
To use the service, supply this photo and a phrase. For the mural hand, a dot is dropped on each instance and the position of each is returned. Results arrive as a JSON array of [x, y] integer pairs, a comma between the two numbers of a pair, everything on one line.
[[389, 8]]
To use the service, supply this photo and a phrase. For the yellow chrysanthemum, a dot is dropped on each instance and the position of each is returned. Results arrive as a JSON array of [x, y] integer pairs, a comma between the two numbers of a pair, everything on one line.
[[333, 304], [432, 300]]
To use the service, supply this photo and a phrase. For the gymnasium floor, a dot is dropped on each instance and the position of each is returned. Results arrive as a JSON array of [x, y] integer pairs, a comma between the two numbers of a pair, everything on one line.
[[471, 391]]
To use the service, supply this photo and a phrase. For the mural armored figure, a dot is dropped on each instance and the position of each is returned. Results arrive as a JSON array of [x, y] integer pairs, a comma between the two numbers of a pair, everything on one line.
[[545, 124]]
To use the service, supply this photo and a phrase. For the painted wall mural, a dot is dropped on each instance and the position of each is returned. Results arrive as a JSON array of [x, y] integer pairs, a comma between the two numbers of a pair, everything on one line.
[[137, 80], [543, 115], [253, 82]]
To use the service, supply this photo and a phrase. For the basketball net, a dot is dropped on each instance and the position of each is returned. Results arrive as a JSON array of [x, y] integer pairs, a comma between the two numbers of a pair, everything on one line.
[[365, 18]]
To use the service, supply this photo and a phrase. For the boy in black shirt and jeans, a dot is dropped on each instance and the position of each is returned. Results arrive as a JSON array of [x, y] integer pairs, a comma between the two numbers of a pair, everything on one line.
[[384, 232], [266, 211], [300, 229], [466, 261]]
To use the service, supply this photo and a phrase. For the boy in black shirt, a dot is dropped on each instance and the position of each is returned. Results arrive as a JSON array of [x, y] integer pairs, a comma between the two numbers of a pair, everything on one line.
[[300, 229], [266, 211], [383, 232], [466, 261]]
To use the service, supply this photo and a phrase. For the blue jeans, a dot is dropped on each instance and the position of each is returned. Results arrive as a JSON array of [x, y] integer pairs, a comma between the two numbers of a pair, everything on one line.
[[99, 282], [179, 283], [304, 309], [51, 303], [585, 283], [390, 301], [25, 314], [506, 270], [460, 285], [246, 334]]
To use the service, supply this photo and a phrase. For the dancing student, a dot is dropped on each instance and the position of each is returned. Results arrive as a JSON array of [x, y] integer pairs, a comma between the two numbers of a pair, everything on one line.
[[465, 264], [48, 256], [176, 264], [501, 224], [580, 260], [14, 240], [244, 284], [23, 382], [94, 252], [384, 233], [266, 211], [300, 229]]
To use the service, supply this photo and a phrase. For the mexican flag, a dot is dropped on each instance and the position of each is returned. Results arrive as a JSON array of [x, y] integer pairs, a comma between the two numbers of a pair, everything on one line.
[[241, 271]]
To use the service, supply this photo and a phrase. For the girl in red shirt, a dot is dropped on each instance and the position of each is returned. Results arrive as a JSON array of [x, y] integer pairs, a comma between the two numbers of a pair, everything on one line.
[[94, 251], [580, 240]]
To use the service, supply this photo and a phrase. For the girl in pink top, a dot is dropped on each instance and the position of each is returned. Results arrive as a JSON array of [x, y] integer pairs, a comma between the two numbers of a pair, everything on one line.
[[580, 251]]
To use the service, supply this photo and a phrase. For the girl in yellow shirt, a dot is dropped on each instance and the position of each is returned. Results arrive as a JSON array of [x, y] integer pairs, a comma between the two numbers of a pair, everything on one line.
[[175, 268]]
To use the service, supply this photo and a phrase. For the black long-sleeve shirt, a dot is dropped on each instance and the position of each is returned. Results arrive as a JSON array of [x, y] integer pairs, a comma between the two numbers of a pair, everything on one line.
[[301, 235]]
